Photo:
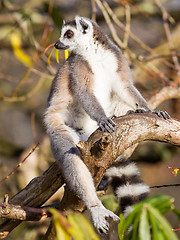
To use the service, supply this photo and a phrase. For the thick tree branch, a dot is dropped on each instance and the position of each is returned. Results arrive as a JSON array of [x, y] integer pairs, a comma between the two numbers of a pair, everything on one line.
[[98, 153]]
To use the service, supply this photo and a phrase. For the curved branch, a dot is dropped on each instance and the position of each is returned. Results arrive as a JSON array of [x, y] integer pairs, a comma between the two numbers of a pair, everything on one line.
[[129, 130], [164, 94]]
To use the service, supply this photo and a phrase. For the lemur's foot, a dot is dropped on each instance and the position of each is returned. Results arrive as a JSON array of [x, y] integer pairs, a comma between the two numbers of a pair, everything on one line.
[[159, 113], [106, 124], [163, 114], [139, 110], [101, 218]]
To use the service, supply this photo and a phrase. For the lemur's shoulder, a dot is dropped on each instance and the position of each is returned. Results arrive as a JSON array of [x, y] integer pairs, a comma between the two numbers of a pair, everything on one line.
[[61, 83], [74, 72]]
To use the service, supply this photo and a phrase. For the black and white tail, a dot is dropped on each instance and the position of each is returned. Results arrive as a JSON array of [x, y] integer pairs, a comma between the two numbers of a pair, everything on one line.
[[129, 189]]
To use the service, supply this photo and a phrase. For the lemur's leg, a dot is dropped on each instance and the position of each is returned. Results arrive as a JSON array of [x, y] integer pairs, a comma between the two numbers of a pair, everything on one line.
[[78, 176], [129, 189]]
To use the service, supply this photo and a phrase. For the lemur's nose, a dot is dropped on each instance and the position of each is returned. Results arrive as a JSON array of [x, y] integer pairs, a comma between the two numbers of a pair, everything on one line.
[[60, 45], [56, 45]]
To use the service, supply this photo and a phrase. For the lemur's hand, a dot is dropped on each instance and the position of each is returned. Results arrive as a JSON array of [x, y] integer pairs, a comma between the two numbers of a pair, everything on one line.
[[160, 113], [106, 124], [101, 218]]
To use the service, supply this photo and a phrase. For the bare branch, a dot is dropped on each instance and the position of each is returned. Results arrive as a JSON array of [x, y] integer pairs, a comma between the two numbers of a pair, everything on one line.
[[128, 26], [11, 211], [163, 95], [166, 185], [165, 16], [93, 6], [13, 171], [109, 23], [123, 27]]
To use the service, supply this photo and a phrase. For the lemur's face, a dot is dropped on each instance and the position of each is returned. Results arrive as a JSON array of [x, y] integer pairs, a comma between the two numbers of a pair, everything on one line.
[[75, 36]]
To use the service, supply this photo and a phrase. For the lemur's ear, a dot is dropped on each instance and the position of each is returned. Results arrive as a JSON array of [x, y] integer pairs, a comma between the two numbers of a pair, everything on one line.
[[82, 24]]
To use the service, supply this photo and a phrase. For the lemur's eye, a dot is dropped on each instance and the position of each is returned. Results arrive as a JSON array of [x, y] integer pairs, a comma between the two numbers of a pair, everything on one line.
[[68, 34]]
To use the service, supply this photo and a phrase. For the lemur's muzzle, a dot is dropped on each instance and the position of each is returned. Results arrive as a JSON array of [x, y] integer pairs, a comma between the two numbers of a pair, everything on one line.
[[60, 45]]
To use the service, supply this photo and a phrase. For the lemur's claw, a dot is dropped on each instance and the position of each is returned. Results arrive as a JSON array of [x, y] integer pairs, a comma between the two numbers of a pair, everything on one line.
[[139, 110], [106, 124], [159, 113]]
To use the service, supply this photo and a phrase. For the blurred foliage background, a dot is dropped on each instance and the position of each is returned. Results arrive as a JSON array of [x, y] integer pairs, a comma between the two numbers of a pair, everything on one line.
[[148, 33]]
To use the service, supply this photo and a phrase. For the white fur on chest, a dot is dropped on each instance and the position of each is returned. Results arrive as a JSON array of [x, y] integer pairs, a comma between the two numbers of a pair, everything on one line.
[[104, 67]]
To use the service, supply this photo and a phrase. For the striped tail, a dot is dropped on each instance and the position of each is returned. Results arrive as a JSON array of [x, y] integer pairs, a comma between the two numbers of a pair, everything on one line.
[[129, 189]]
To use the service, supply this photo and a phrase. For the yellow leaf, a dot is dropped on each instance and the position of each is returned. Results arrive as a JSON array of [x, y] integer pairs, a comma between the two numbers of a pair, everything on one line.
[[49, 57], [15, 39], [84, 226], [57, 55], [66, 54], [64, 230], [175, 171]]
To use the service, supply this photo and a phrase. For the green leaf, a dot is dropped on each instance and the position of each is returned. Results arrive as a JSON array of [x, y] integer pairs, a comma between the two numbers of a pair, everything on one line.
[[110, 202], [164, 203], [120, 227], [157, 234], [129, 220], [164, 224], [85, 226], [144, 228], [55, 15], [78, 235], [64, 230], [135, 228], [177, 212]]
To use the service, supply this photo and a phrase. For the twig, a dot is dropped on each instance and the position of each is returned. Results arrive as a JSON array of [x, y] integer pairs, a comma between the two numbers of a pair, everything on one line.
[[13, 171], [24, 97], [169, 36], [93, 7], [109, 23], [33, 125], [128, 26], [22, 81], [157, 57], [19, 21], [121, 25], [166, 185]]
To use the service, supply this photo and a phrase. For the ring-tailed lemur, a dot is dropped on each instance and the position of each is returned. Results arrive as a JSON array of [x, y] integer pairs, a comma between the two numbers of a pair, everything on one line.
[[93, 84]]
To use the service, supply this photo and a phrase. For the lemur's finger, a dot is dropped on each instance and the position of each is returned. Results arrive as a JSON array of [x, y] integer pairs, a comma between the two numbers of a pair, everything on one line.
[[106, 124], [111, 122]]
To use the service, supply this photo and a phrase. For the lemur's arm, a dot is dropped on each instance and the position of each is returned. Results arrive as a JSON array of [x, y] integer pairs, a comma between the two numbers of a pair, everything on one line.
[[131, 96], [126, 90], [83, 89]]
